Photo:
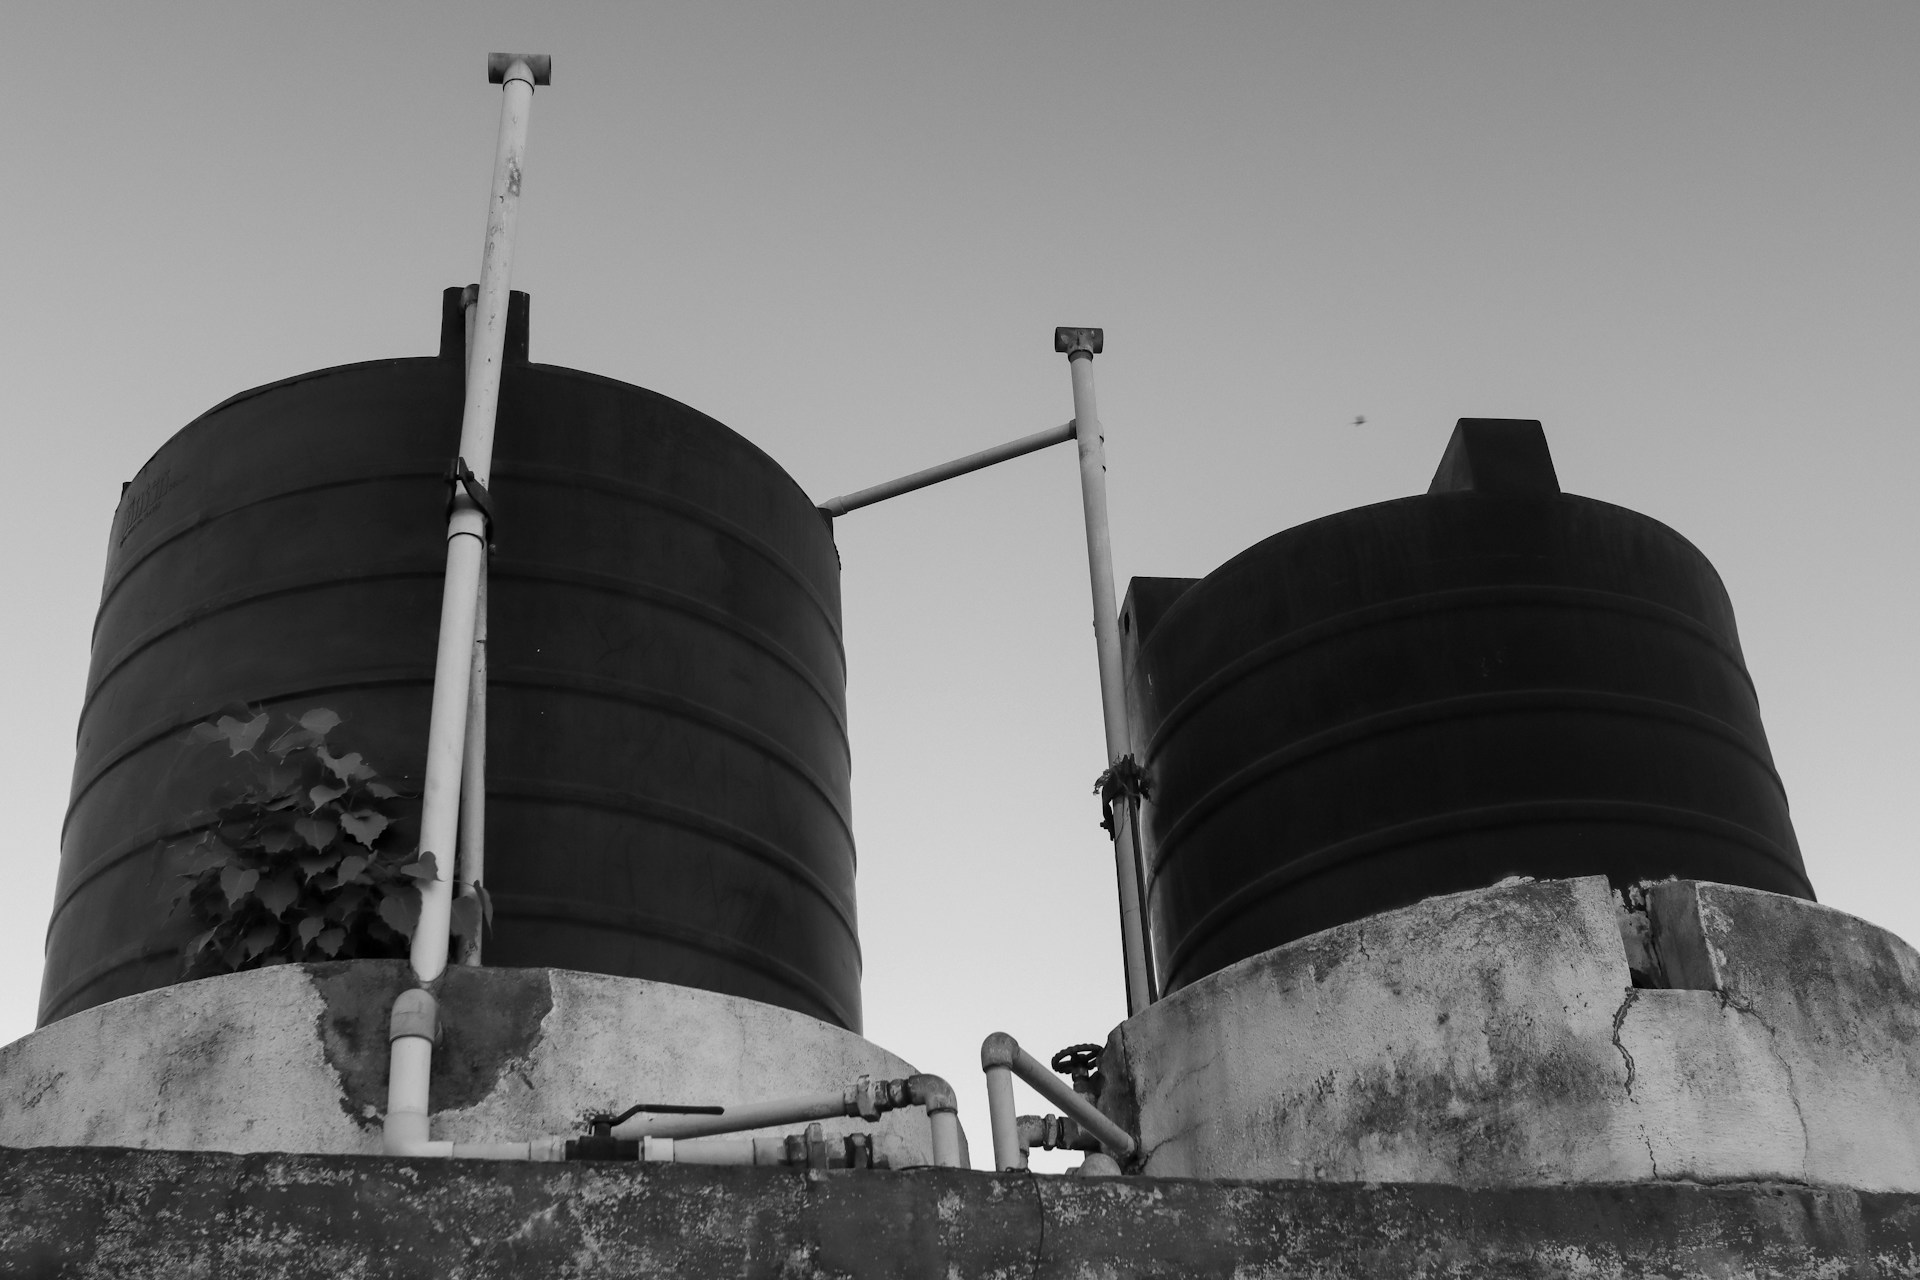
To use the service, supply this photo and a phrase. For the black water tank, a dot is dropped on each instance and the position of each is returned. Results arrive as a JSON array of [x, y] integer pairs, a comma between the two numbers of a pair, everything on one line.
[[1432, 694], [667, 742]]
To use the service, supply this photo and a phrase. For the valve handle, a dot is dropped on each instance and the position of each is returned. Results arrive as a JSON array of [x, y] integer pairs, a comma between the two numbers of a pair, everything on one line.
[[1077, 1059]]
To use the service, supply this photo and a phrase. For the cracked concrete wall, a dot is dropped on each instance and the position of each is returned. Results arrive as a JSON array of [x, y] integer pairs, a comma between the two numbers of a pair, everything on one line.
[[133, 1215], [1493, 1038], [294, 1058]]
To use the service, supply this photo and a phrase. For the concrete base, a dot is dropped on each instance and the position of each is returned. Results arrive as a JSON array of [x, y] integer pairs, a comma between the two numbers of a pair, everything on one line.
[[1495, 1038], [143, 1215], [294, 1058]]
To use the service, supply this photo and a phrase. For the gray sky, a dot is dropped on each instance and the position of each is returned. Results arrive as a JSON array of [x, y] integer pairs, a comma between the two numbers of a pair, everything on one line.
[[1682, 235]]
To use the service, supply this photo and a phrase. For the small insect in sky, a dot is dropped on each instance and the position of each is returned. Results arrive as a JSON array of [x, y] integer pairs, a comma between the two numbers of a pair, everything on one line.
[[1360, 421]]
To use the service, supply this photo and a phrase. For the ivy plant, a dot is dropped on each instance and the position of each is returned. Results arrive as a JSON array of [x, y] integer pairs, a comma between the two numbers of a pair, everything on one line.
[[303, 859]]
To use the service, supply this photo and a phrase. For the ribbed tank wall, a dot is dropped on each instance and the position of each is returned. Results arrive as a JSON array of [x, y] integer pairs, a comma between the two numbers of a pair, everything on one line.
[[668, 763], [1428, 695]]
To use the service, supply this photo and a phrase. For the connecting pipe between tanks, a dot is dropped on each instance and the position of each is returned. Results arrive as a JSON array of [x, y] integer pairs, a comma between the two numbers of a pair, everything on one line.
[[1002, 1058], [866, 1098], [682, 1139]]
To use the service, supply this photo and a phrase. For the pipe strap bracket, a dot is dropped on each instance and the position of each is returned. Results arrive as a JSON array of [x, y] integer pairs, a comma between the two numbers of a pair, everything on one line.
[[460, 478], [1124, 779]]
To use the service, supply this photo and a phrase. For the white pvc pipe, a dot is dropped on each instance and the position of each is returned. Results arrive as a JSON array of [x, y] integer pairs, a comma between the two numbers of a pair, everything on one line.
[[1007, 1155], [472, 837], [948, 1151], [416, 1014], [718, 1150], [865, 1098], [752, 1115], [466, 534], [473, 768], [1113, 695], [1001, 1051]]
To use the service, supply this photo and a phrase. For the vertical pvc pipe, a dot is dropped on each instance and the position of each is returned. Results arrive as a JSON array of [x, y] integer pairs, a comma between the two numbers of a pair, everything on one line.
[[472, 836], [467, 534], [1106, 634], [1006, 1125]]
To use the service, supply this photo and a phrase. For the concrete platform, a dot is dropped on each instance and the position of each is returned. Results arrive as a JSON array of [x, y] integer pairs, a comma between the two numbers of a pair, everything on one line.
[[147, 1215], [294, 1058], [1495, 1038]]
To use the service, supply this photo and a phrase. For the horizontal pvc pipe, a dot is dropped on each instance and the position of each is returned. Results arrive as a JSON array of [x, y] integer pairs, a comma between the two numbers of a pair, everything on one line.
[[752, 1115], [948, 470], [715, 1150], [1001, 1050]]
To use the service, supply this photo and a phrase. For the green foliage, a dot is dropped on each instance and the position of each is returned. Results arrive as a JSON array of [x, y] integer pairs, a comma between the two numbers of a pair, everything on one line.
[[303, 859]]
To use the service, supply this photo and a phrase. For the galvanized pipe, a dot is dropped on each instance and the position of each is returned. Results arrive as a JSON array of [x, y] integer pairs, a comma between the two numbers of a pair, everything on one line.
[[467, 531], [948, 470], [1080, 346]]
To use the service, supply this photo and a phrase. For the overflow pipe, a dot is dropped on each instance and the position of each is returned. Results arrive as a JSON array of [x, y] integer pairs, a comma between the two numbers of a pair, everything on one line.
[[467, 524], [948, 470], [865, 1097], [472, 834], [1080, 346], [1001, 1057], [415, 1018]]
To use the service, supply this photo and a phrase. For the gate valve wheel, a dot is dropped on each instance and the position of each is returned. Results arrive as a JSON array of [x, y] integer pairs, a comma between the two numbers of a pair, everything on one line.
[[1077, 1059]]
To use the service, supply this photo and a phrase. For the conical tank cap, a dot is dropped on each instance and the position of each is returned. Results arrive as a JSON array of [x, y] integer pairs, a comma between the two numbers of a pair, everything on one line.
[[1496, 455]]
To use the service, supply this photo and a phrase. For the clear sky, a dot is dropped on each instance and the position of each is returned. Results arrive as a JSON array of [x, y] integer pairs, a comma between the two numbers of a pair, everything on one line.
[[1682, 235]]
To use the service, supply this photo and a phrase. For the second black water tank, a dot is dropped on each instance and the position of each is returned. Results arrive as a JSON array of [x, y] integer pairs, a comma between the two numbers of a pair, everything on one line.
[[1428, 695]]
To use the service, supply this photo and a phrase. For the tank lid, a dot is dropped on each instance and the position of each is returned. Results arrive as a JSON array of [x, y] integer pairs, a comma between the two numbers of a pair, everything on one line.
[[1496, 455]]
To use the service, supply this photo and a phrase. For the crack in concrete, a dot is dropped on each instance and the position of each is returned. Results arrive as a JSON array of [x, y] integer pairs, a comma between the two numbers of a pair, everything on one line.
[[1619, 1017], [1729, 1001], [1040, 1235]]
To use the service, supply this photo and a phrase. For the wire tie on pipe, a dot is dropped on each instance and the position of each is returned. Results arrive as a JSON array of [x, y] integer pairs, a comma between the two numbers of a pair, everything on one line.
[[1124, 779]]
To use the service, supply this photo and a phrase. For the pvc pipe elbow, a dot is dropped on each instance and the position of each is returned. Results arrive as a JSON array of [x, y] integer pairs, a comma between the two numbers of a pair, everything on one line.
[[933, 1093], [999, 1050]]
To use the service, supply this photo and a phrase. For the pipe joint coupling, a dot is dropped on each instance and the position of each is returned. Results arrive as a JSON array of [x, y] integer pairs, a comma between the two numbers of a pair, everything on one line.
[[864, 1100], [415, 1013]]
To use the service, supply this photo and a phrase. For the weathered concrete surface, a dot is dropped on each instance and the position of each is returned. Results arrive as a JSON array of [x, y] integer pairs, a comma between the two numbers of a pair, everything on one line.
[[294, 1058], [144, 1215], [1493, 1038]]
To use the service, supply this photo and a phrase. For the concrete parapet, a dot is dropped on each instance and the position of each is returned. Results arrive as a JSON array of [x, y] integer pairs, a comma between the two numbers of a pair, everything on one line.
[[1497, 1037], [145, 1215], [294, 1058]]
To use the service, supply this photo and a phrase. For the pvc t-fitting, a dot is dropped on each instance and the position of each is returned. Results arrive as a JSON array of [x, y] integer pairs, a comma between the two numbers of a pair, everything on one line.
[[1079, 343]]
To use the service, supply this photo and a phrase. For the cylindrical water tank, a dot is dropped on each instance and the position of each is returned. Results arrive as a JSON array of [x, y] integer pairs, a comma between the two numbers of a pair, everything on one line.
[[668, 766], [1432, 694]]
